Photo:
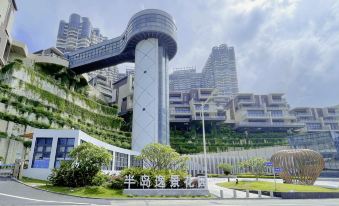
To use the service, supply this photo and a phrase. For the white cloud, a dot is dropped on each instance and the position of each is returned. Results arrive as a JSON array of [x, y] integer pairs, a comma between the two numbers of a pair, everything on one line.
[[288, 46]]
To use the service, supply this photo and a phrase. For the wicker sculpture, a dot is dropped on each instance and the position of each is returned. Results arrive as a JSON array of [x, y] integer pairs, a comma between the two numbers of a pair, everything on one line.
[[300, 166]]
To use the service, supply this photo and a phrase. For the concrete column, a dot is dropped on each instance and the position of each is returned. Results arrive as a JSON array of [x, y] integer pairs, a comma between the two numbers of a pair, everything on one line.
[[150, 100]]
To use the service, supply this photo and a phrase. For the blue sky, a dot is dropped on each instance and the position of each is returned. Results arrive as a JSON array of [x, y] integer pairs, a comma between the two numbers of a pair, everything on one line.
[[281, 46]]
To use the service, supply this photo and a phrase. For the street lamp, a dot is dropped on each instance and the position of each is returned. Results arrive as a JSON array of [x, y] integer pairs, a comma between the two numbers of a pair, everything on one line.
[[203, 130]]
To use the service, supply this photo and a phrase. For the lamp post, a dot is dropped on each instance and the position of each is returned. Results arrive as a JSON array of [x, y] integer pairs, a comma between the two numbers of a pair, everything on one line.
[[203, 131]]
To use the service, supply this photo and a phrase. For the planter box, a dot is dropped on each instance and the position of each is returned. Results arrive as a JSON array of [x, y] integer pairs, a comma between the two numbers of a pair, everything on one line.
[[166, 192]]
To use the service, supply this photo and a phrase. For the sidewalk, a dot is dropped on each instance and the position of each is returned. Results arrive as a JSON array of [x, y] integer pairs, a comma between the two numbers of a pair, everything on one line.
[[228, 193]]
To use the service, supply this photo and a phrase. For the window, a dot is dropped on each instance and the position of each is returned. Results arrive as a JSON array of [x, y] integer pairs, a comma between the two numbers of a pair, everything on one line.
[[313, 126], [255, 113], [121, 161], [276, 113], [136, 162], [42, 152], [110, 164], [65, 145]]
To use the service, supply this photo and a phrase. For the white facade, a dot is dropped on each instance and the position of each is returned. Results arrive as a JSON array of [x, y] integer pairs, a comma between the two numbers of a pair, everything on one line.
[[247, 111], [196, 161], [317, 119], [50, 160], [7, 9], [150, 101]]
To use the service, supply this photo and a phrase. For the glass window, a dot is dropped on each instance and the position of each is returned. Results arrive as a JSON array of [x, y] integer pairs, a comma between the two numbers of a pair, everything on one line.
[[276, 113], [65, 145], [136, 162], [121, 161], [42, 152], [110, 165]]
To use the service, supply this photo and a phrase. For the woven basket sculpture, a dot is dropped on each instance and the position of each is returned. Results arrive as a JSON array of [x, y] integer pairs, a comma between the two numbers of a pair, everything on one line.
[[300, 166]]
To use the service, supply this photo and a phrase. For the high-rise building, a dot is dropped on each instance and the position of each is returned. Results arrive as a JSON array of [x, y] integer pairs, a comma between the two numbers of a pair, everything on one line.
[[7, 9], [220, 71], [111, 73], [77, 33], [184, 79]]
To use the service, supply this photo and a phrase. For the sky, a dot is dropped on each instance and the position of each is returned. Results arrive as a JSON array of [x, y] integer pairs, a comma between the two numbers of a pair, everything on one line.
[[281, 46]]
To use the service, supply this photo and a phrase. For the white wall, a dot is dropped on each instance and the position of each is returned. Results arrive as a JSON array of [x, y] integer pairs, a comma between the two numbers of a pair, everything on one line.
[[146, 96], [42, 173]]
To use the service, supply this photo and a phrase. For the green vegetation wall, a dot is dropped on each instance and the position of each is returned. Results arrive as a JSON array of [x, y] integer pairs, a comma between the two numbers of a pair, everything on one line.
[[221, 138], [49, 96]]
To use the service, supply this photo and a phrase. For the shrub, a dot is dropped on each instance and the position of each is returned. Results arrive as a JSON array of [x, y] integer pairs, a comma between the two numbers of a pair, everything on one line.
[[117, 182], [86, 163], [99, 179], [162, 157], [227, 168]]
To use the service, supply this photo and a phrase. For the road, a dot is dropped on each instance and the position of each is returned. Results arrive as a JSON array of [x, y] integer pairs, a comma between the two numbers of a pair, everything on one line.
[[13, 193]]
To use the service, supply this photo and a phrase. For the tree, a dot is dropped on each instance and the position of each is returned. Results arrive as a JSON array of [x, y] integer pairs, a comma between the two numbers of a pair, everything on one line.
[[162, 157], [256, 166], [86, 163], [227, 168]]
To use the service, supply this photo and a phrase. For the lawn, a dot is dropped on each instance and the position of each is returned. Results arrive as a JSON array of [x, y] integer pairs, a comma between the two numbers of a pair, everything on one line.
[[93, 191], [269, 186], [28, 180], [101, 192]]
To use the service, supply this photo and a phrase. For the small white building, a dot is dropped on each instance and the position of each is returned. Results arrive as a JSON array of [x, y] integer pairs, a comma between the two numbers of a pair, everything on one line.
[[51, 146]]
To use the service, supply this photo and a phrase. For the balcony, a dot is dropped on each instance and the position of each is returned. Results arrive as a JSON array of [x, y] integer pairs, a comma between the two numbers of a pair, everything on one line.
[[246, 101], [269, 124], [302, 114], [173, 119], [178, 112], [255, 116], [210, 118]]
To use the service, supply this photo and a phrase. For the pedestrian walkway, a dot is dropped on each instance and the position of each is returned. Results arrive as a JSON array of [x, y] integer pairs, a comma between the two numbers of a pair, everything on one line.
[[228, 193]]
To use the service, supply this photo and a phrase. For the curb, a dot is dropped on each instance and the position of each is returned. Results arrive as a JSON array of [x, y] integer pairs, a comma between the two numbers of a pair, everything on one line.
[[127, 198], [136, 198]]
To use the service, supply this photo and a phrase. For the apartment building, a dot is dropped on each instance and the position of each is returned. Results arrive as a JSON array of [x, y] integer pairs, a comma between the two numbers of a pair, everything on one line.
[[104, 86], [220, 71], [184, 79], [317, 119], [7, 10], [187, 106], [77, 33], [250, 112], [123, 94]]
